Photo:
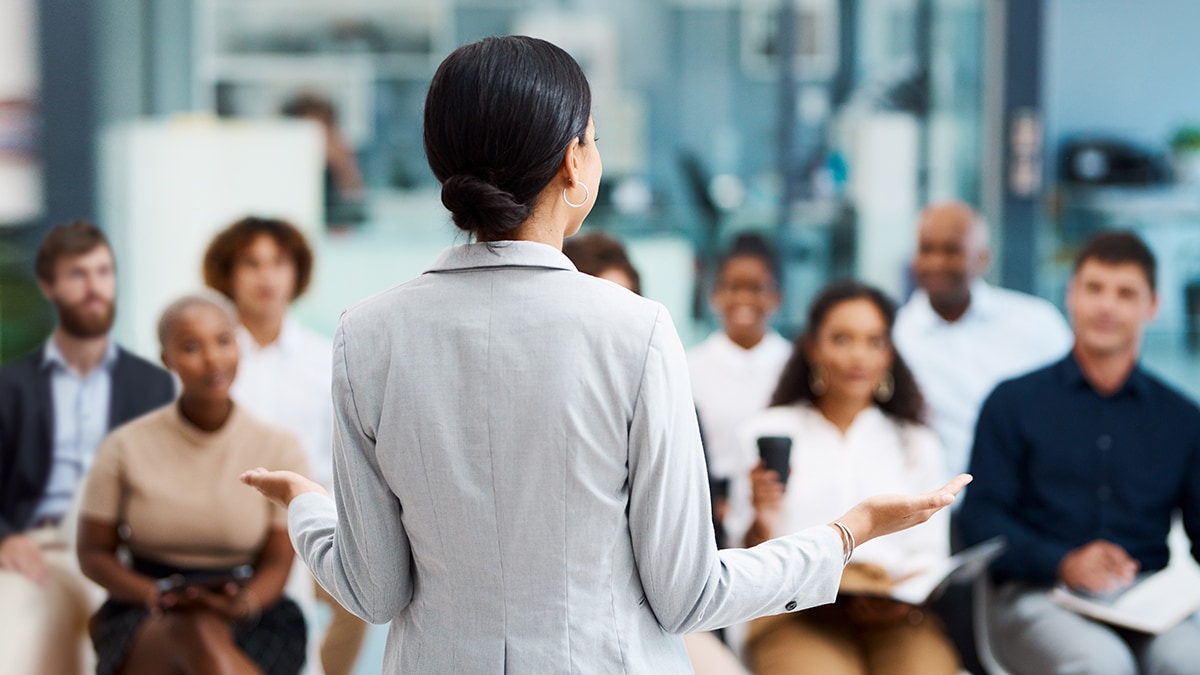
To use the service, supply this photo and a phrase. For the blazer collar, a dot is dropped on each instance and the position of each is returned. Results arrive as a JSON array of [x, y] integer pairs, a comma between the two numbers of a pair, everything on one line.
[[501, 254], [52, 356], [118, 399]]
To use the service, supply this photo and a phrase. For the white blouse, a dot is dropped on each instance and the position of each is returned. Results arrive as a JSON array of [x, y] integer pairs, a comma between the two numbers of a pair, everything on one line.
[[832, 472], [287, 383], [730, 386]]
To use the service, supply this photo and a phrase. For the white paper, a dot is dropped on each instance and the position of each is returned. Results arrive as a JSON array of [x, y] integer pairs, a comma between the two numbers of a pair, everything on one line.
[[965, 565], [1153, 605]]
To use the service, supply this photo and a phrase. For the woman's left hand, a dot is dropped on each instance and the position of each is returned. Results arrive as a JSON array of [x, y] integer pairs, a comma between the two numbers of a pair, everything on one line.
[[880, 612], [280, 487]]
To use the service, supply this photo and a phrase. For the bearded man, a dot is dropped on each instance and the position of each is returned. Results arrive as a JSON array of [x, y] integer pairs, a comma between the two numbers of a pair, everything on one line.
[[56, 404]]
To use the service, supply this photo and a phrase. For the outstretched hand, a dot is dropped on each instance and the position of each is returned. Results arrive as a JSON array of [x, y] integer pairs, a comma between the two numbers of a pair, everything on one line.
[[280, 487], [884, 514]]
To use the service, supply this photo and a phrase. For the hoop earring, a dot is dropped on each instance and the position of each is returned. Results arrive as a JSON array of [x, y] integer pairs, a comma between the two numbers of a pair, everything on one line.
[[886, 388], [586, 195], [817, 383]]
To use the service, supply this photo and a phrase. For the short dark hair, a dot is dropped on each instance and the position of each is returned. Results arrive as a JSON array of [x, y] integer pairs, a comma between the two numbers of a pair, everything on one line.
[[70, 239], [907, 403], [499, 115], [595, 252], [1119, 247], [750, 245], [308, 104], [223, 251]]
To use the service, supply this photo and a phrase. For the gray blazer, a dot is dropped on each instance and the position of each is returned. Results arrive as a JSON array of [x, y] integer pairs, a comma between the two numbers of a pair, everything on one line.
[[520, 483]]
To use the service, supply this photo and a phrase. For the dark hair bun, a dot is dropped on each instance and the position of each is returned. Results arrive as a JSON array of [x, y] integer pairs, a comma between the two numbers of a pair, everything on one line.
[[499, 116], [480, 207]]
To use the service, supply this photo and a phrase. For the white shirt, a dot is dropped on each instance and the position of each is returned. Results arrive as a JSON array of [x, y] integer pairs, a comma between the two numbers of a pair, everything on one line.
[[730, 385], [1003, 334], [832, 472], [287, 383], [81, 411]]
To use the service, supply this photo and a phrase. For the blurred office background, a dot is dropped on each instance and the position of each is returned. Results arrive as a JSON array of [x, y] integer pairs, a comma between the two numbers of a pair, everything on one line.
[[825, 123]]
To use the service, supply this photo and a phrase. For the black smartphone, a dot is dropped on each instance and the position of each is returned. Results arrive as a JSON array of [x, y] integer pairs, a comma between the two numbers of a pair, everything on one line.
[[209, 581], [718, 488], [776, 454]]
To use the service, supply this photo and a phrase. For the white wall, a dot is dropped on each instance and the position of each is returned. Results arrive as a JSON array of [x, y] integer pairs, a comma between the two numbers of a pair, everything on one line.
[[20, 171], [168, 187], [1121, 67]]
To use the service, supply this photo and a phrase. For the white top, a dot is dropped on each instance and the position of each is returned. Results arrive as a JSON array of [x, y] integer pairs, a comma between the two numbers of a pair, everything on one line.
[[730, 385], [287, 383], [832, 472], [520, 484], [1002, 335]]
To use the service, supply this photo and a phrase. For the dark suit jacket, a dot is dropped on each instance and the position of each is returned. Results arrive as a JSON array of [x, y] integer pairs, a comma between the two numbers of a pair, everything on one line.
[[27, 425]]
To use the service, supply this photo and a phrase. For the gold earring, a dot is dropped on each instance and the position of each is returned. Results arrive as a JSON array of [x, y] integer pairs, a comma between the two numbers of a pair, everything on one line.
[[886, 388], [817, 382]]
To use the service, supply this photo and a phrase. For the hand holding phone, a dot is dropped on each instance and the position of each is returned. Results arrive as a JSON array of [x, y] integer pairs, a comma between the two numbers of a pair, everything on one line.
[[776, 454], [214, 582]]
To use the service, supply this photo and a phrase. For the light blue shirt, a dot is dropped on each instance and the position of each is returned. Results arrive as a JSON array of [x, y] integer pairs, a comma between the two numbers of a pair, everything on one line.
[[81, 408]]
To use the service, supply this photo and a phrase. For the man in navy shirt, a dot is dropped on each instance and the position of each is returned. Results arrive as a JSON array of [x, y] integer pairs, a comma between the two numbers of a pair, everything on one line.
[[1080, 465]]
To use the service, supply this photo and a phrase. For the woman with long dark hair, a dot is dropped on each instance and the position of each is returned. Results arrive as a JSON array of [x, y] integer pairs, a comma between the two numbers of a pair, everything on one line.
[[855, 417], [519, 479]]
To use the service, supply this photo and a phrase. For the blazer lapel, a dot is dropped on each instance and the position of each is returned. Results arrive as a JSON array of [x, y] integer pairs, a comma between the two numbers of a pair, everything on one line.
[[117, 402], [38, 456], [45, 400]]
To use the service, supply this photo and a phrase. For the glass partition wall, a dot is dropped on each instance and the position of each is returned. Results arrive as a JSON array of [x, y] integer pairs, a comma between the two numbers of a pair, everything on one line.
[[824, 124]]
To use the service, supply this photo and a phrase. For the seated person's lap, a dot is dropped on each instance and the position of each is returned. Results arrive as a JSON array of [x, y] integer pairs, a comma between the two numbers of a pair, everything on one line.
[[42, 627], [1030, 633]]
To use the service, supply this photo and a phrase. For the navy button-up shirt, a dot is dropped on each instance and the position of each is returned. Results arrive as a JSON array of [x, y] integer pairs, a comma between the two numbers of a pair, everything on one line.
[[1058, 465]]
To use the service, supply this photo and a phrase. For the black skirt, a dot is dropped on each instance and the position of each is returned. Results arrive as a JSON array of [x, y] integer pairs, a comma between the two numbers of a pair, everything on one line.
[[276, 642]]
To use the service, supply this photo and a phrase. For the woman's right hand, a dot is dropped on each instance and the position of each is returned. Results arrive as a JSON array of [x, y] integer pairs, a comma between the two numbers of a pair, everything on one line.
[[884, 514]]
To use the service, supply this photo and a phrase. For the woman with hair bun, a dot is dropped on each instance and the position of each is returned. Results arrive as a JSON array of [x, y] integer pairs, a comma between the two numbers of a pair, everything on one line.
[[520, 485]]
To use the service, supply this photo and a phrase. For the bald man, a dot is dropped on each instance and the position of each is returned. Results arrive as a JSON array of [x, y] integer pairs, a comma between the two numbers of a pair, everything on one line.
[[960, 336]]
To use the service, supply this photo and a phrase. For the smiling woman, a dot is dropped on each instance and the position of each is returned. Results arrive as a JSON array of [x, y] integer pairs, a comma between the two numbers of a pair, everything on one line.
[[734, 371], [196, 334], [166, 478], [854, 414]]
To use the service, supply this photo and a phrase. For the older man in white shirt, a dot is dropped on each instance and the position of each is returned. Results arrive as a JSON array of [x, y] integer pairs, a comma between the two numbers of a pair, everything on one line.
[[960, 336]]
